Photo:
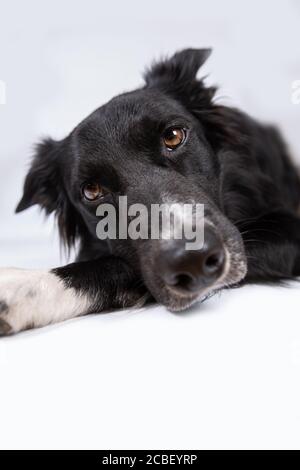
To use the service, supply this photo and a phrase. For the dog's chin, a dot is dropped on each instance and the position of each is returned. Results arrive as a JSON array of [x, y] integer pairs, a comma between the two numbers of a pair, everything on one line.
[[176, 301]]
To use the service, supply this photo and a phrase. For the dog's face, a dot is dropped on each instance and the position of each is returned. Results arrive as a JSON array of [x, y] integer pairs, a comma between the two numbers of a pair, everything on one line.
[[150, 146]]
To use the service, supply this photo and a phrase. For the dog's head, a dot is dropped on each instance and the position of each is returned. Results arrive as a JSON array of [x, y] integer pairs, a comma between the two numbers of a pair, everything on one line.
[[154, 146]]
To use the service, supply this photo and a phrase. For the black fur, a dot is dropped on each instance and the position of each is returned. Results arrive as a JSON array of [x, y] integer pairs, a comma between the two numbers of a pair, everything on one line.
[[239, 168]]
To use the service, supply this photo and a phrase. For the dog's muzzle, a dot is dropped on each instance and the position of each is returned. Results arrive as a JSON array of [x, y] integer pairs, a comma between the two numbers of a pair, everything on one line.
[[187, 272]]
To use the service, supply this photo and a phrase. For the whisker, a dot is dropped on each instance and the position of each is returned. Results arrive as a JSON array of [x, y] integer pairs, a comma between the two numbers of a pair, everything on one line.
[[265, 230], [254, 240]]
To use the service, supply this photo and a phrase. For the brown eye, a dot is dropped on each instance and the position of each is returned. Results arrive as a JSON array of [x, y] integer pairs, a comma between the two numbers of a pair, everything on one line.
[[174, 137], [92, 191]]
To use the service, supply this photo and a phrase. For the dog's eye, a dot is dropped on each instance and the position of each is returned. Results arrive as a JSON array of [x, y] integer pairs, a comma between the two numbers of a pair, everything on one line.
[[173, 137], [92, 191]]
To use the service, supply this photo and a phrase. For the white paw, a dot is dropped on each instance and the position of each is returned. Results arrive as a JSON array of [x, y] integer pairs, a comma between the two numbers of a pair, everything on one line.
[[30, 299]]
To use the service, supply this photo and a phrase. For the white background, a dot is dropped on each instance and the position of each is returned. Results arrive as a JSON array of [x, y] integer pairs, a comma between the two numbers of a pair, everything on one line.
[[225, 374]]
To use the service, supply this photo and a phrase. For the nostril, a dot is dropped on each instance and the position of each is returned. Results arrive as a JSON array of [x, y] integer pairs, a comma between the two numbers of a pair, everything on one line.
[[183, 280], [213, 262]]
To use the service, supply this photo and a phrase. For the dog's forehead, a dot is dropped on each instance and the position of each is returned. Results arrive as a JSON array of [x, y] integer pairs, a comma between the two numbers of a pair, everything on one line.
[[139, 104], [124, 113]]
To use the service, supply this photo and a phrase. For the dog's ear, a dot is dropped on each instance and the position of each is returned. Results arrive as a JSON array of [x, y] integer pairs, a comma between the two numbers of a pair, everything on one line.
[[177, 76], [42, 183], [181, 68], [44, 186]]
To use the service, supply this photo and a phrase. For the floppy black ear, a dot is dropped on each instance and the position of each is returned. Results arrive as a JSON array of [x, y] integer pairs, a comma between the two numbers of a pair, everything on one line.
[[181, 68], [177, 76], [42, 183], [44, 186]]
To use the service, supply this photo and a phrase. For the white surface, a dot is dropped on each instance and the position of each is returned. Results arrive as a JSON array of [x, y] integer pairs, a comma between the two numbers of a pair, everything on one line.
[[227, 373]]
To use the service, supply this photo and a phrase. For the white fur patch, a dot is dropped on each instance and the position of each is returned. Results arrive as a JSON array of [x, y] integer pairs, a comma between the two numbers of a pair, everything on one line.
[[36, 298]]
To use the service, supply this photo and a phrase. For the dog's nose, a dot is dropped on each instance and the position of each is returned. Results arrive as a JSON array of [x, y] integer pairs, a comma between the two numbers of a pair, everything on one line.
[[190, 270]]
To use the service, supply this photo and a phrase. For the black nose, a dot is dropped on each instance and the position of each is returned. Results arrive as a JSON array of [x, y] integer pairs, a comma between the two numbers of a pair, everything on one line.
[[189, 270]]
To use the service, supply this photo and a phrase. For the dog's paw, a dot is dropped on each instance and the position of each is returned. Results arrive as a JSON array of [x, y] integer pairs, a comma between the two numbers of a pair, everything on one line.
[[30, 299], [17, 289]]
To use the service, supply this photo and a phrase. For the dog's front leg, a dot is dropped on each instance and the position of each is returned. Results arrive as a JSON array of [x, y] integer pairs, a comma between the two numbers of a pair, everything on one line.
[[30, 299]]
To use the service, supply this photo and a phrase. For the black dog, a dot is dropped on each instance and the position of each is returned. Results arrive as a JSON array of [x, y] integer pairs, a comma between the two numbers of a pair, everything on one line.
[[165, 141]]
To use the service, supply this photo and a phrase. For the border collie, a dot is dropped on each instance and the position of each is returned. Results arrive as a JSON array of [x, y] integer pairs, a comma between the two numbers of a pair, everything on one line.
[[167, 141]]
